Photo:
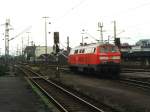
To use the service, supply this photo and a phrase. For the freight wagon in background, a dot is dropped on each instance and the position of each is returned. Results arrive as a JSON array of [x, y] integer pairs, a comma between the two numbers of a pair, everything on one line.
[[101, 58], [139, 53]]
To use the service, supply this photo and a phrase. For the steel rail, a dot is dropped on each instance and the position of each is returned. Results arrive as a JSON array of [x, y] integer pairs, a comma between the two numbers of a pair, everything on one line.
[[69, 93], [138, 83], [45, 92], [49, 96]]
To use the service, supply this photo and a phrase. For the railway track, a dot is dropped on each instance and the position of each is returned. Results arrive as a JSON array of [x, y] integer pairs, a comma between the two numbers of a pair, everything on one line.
[[136, 82], [123, 70], [130, 70], [141, 82], [64, 100]]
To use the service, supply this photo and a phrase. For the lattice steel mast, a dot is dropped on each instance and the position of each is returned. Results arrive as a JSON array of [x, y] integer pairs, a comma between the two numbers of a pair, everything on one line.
[[7, 24]]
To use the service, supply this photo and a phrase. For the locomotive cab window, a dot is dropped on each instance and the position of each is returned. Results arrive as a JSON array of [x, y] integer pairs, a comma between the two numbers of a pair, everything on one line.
[[80, 51], [90, 50], [76, 52], [94, 49], [83, 50], [113, 49], [104, 49]]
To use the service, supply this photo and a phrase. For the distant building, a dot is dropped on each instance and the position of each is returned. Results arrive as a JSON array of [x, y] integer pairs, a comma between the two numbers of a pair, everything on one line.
[[125, 47], [31, 52], [41, 50], [143, 43]]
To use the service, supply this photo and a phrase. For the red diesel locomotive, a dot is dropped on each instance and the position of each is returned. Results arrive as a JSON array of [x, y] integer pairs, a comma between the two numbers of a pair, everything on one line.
[[98, 57]]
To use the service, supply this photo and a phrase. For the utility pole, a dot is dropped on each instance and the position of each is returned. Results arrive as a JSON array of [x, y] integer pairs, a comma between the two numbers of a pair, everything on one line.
[[22, 46], [0, 51], [108, 38], [116, 39], [82, 36], [22, 53], [17, 50], [7, 29], [28, 38], [46, 35], [32, 43], [68, 48], [100, 26], [7, 24], [114, 30]]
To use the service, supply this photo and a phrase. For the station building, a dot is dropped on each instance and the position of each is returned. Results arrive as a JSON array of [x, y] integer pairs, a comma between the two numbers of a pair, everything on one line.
[[35, 52]]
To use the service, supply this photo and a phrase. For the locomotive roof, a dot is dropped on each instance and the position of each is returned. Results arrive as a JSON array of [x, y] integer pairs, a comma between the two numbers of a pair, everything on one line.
[[91, 45]]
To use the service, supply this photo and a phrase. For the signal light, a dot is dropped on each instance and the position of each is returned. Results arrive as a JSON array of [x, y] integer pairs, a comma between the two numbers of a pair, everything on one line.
[[117, 42], [56, 37]]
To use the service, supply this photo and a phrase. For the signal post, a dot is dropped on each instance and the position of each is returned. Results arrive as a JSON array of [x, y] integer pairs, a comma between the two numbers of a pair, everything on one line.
[[56, 50]]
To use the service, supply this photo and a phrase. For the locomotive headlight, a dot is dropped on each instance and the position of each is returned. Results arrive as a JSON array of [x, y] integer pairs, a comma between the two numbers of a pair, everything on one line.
[[116, 57], [103, 58]]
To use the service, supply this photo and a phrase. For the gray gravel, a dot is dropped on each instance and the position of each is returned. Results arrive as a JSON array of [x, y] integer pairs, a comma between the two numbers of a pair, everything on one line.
[[124, 97]]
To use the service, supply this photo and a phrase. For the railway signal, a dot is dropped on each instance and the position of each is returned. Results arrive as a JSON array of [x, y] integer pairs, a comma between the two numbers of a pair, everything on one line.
[[56, 50], [117, 42], [56, 37], [56, 42]]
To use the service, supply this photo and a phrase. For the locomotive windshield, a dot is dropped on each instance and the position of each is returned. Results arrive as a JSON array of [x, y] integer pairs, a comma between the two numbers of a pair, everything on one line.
[[114, 49], [108, 49]]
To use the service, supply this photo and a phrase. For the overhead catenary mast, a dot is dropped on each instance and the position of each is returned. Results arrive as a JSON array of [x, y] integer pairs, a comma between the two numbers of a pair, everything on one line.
[[7, 24], [45, 33], [28, 38], [68, 47], [100, 28], [114, 30], [46, 37]]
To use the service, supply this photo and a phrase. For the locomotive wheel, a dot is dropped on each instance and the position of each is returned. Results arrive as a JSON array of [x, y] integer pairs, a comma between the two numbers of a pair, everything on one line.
[[86, 70], [74, 69]]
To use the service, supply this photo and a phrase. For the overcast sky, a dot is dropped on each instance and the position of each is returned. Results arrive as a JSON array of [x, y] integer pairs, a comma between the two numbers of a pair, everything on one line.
[[69, 17]]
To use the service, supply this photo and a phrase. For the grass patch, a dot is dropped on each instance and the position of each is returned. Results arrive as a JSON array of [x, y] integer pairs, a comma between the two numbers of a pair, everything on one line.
[[42, 96]]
